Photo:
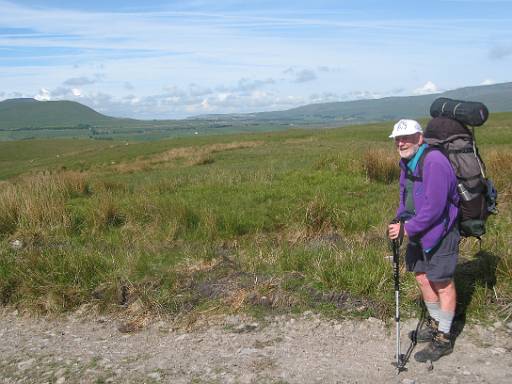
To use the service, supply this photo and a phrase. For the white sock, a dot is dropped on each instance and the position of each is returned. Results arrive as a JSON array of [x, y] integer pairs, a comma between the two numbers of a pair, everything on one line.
[[445, 321], [434, 310]]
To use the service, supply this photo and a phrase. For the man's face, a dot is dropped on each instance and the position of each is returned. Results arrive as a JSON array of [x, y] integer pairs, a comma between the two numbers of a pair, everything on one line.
[[408, 145]]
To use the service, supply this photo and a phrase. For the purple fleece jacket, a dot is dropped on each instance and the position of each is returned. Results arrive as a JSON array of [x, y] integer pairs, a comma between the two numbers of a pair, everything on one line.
[[436, 200]]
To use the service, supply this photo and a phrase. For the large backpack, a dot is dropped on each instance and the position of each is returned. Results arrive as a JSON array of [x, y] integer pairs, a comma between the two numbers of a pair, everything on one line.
[[478, 197]]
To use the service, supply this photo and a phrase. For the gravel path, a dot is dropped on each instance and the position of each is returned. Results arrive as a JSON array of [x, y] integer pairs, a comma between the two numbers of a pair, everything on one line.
[[233, 349]]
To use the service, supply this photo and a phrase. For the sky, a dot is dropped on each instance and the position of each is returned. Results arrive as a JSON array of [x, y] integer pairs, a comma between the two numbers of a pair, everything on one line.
[[158, 59]]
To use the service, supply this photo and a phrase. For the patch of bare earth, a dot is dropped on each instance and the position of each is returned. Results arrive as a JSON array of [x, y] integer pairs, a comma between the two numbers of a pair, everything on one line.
[[237, 349]]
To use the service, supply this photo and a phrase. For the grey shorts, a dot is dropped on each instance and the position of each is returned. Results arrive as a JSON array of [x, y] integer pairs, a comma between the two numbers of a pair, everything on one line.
[[439, 264]]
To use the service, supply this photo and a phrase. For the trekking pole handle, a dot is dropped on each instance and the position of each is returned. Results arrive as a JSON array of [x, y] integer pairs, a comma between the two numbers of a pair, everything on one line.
[[400, 238]]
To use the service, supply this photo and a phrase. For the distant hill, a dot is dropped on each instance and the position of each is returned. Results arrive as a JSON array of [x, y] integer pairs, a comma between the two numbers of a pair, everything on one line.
[[30, 113], [497, 97], [27, 118]]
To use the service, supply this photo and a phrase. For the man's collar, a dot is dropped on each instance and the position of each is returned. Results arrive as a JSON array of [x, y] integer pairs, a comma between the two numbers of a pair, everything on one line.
[[411, 164]]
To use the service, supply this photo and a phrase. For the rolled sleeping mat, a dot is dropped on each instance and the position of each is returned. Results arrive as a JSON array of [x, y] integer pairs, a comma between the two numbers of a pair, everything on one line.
[[471, 113]]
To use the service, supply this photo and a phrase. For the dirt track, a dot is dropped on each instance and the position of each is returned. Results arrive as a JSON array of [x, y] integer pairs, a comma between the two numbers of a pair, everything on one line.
[[232, 349]]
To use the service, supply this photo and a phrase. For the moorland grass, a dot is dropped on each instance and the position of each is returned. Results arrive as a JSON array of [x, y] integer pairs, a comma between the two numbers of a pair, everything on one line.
[[281, 221]]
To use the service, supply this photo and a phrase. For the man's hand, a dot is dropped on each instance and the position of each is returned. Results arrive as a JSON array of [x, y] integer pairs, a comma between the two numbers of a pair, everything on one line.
[[394, 231]]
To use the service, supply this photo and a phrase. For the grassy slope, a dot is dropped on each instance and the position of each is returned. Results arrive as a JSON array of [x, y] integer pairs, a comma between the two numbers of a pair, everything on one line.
[[285, 220]]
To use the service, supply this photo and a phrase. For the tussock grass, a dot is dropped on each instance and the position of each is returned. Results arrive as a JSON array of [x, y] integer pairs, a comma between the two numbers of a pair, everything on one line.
[[107, 213], [499, 169], [317, 216], [381, 165], [37, 203]]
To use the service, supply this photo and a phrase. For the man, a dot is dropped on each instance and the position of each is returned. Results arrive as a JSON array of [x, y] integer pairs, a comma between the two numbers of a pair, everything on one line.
[[428, 212]]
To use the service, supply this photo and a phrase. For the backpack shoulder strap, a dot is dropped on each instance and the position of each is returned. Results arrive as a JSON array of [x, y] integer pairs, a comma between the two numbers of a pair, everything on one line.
[[410, 176]]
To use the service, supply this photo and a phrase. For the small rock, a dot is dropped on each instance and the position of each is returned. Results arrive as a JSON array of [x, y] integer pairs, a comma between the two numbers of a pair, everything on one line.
[[16, 244], [247, 378], [246, 327], [60, 372], [498, 324], [498, 351], [265, 301], [454, 381], [509, 325], [466, 373], [26, 364], [247, 351], [182, 337], [155, 376], [61, 380], [408, 381], [232, 320]]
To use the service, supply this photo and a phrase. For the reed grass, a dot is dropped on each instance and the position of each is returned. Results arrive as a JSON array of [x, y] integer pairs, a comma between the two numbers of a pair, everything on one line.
[[381, 165]]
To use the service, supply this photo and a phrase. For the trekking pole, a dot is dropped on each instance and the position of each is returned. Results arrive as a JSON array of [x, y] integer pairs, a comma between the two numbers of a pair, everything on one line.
[[400, 361]]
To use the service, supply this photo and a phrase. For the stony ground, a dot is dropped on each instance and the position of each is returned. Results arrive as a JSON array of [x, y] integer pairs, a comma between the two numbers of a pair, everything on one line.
[[235, 349]]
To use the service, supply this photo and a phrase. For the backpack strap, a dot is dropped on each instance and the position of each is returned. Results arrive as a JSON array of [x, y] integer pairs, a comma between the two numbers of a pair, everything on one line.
[[409, 175], [409, 200], [463, 150]]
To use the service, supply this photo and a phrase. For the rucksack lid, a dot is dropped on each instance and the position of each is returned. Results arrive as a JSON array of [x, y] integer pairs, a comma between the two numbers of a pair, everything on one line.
[[443, 129]]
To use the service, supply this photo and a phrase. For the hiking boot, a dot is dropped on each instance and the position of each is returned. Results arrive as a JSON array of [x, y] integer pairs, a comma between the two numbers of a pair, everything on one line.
[[441, 345], [424, 335]]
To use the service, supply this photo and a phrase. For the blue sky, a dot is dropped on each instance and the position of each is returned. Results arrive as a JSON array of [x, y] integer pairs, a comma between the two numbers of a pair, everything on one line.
[[172, 59]]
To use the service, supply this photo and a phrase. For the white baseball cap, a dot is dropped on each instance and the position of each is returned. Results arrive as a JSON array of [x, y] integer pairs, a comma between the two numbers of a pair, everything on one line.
[[405, 127]]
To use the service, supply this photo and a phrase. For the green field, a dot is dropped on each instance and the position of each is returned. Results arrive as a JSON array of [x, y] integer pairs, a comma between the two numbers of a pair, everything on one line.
[[282, 221]]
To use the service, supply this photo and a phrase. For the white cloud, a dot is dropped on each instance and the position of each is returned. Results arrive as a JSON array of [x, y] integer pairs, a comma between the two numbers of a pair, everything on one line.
[[428, 88], [43, 95], [488, 82], [77, 81], [132, 99], [500, 52], [323, 97], [305, 75], [76, 92], [205, 105], [302, 75]]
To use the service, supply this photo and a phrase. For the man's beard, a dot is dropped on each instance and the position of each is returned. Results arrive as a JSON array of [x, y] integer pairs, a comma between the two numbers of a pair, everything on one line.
[[409, 152]]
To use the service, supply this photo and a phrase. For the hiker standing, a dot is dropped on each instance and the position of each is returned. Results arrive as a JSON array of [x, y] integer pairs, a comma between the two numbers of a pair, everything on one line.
[[428, 212]]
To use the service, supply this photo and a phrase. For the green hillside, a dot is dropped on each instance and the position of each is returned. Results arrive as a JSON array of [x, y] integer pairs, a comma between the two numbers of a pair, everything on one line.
[[30, 113]]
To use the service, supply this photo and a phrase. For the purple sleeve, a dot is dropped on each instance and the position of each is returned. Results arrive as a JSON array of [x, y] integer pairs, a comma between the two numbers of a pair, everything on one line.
[[436, 184]]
